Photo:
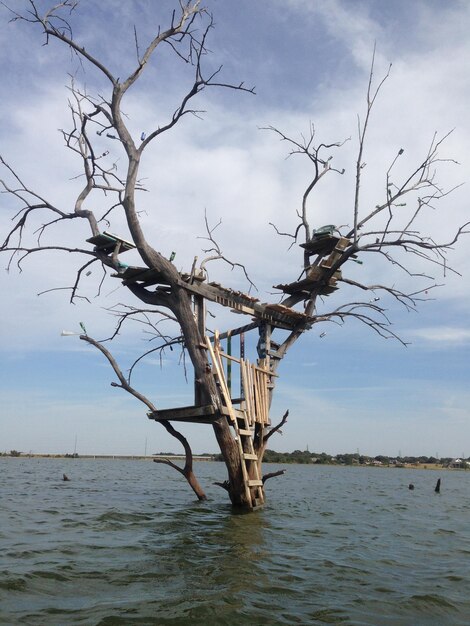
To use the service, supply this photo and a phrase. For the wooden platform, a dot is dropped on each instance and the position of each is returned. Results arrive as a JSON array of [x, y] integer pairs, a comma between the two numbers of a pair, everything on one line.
[[314, 280], [277, 315], [193, 414], [319, 278], [321, 245], [106, 242]]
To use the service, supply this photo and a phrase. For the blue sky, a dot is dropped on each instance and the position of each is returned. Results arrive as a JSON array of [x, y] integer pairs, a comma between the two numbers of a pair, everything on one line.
[[309, 62]]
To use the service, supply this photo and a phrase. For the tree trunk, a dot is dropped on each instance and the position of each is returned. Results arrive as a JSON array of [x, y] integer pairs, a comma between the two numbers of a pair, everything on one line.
[[194, 343]]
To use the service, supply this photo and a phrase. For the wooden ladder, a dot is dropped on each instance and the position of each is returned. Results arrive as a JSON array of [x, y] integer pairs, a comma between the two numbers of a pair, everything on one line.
[[249, 459], [243, 434]]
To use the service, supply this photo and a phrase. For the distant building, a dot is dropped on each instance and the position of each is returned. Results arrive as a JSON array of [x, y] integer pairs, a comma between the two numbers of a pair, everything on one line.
[[459, 464]]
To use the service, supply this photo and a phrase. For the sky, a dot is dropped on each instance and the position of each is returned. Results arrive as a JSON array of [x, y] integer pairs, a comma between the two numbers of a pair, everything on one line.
[[347, 389]]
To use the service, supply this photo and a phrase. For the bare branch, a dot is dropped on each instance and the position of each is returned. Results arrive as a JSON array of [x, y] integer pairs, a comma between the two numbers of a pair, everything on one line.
[[123, 384], [272, 475], [371, 97], [276, 428], [216, 253], [321, 166]]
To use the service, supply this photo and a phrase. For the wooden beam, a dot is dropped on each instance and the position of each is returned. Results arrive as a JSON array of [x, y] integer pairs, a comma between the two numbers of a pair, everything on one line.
[[238, 331], [277, 315], [199, 414], [239, 303], [106, 242], [320, 245]]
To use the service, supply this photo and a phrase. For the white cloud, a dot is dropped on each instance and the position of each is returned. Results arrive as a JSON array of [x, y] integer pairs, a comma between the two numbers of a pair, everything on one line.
[[443, 334]]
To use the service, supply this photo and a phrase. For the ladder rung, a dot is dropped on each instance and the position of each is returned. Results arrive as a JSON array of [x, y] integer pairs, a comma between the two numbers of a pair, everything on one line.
[[246, 433], [249, 456], [255, 483]]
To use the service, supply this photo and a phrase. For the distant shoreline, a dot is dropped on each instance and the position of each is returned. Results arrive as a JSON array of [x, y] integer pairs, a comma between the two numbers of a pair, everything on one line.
[[214, 459], [110, 457]]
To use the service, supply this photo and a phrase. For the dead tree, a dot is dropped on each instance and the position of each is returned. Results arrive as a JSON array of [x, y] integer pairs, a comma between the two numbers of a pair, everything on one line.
[[240, 420]]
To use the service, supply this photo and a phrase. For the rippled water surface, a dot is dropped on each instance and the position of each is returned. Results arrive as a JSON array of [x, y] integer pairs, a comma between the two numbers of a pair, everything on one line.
[[124, 543]]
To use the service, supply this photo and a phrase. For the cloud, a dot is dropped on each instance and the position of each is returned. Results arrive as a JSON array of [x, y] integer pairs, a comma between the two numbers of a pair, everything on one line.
[[443, 335]]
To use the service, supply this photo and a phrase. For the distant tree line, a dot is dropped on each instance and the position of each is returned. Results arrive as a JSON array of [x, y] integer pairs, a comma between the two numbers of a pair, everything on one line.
[[322, 458]]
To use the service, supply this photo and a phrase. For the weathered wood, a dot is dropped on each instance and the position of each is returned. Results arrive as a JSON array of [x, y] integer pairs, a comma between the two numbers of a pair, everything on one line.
[[336, 253], [320, 245], [239, 330], [198, 414], [256, 367], [106, 243], [248, 389], [240, 303], [240, 420], [233, 411], [142, 275]]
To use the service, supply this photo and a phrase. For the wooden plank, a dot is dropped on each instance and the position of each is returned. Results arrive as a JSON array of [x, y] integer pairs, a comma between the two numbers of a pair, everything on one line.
[[251, 391], [262, 397], [246, 400], [244, 432], [342, 244], [262, 407], [264, 401], [323, 244], [106, 242], [256, 394], [236, 428], [250, 456], [125, 245], [255, 483], [184, 411], [239, 330], [256, 367], [221, 377], [266, 392], [233, 411], [229, 357], [208, 419]]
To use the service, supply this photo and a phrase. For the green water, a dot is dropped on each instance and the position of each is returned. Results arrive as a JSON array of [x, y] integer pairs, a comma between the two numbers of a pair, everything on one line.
[[124, 543]]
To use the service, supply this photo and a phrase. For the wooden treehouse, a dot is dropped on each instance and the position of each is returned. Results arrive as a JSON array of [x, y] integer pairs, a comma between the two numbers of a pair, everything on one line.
[[245, 388]]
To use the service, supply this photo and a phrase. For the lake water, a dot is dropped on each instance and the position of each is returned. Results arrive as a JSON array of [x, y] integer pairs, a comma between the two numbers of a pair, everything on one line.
[[124, 543]]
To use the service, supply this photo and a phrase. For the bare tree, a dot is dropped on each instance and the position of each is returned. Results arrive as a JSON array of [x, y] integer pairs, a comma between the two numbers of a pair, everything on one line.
[[241, 424]]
